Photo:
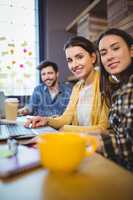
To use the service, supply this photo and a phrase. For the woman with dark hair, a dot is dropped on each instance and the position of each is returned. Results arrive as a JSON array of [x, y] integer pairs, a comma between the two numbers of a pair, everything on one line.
[[86, 112], [116, 57]]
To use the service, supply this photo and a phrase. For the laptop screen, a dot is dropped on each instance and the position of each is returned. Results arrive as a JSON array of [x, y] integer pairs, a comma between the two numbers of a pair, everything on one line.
[[2, 105]]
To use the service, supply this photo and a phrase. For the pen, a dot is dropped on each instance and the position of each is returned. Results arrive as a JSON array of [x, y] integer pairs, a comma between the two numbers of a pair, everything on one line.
[[12, 145], [30, 125]]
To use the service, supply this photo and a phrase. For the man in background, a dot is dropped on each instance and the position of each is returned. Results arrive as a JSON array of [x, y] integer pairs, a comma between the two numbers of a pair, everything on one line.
[[49, 98]]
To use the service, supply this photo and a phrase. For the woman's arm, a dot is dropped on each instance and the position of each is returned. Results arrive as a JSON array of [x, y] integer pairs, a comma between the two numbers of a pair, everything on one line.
[[67, 117]]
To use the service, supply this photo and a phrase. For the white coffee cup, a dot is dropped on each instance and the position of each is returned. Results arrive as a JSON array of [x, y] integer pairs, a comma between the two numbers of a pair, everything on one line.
[[11, 108]]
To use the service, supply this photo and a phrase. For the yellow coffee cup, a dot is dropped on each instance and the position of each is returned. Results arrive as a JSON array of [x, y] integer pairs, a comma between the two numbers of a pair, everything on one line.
[[64, 151]]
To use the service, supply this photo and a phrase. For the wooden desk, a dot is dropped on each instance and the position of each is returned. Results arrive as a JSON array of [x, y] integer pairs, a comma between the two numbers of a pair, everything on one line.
[[96, 179]]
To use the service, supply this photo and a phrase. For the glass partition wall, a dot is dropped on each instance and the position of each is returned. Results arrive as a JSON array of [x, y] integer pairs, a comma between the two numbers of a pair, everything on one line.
[[19, 42]]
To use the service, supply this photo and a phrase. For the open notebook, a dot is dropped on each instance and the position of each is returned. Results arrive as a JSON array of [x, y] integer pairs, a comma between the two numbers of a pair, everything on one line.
[[26, 159]]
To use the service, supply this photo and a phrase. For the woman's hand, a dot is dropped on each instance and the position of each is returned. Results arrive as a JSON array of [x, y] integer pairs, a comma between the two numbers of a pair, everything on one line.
[[36, 122], [23, 111], [99, 142]]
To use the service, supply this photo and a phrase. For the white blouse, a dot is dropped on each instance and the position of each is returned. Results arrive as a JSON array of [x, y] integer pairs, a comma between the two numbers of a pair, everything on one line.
[[84, 106]]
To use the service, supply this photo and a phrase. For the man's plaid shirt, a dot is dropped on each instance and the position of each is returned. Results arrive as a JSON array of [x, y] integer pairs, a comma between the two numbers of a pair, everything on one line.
[[118, 145]]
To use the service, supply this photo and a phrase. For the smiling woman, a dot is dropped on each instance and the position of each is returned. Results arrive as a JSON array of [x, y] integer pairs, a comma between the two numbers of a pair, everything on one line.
[[116, 53], [86, 112], [80, 62], [112, 50]]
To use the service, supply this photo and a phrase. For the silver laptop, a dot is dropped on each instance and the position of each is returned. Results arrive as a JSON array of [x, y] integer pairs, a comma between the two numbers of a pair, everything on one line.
[[2, 104], [18, 131], [9, 129]]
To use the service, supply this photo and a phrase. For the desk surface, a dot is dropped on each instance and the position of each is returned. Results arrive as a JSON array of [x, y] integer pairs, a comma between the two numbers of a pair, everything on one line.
[[96, 179]]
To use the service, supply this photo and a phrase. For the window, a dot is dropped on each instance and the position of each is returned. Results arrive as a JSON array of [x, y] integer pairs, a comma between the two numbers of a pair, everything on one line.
[[18, 46]]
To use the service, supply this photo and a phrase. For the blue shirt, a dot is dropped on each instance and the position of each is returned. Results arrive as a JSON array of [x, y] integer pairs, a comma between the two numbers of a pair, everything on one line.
[[42, 104]]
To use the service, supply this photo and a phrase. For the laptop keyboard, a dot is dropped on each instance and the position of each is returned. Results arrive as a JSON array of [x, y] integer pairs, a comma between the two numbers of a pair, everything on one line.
[[14, 130]]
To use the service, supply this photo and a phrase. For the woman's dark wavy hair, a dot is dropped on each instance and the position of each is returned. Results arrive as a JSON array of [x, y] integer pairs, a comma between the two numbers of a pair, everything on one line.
[[106, 86], [81, 42]]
